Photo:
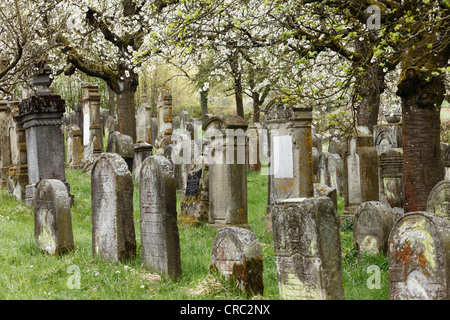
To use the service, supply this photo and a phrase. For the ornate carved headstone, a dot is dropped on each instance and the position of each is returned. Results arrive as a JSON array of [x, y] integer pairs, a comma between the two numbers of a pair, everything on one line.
[[372, 225], [236, 254], [307, 249], [113, 235], [160, 242], [52, 219], [419, 258]]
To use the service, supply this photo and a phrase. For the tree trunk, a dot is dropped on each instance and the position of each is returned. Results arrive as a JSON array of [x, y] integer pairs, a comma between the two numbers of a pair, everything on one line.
[[204, 103], [238, 95], [111, 101], [125, 105], [422, 163], [369, 87], [256, 107]]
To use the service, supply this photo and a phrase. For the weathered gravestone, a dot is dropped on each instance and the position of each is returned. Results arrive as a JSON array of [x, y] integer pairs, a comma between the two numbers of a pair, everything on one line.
[[52, 220], [439, 199], [42, 120], [237, 255], [164, 109], [387, 136], [92, 121], [5, 153], [143, 120], [160, 241], [227, 171], [331, 171], [121, 144], [17, 175], [194, 208], [142, 150], [390, 167], [361, 170], [419, 258], [307, 249], [445, 152], [113, 235], [290, 151], [372, 225], [73, 146], [322, 190]]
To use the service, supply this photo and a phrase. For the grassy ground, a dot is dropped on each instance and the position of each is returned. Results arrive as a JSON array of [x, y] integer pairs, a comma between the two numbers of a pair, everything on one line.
[[27, 273]]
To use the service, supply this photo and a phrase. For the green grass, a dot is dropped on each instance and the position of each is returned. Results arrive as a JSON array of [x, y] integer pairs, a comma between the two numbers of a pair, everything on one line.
[[28, 273]]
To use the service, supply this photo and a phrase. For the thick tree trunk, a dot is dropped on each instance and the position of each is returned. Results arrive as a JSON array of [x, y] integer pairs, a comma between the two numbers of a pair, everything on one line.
[[111, 101], [422, 163], [126, 110], [369, 87]]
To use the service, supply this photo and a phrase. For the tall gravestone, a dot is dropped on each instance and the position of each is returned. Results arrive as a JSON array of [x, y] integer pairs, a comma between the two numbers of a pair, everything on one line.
[[419, 258], [52, 220], [361, 170], [42, 120], [227, 171], [160, 242], [92, 121], [290, 156], [74, 149], [164, 109], [237, 255], [4, 144], [372, 225], [307, 249], [439, 199], [113, 235], [18, 167], [143, 120]]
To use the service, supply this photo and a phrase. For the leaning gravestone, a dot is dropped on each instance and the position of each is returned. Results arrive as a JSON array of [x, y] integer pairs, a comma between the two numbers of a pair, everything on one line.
[[372, 225], [52, 220], [160, 241], [419, 258], [236, 254], [113, 235], [307, 249], [439, 199]]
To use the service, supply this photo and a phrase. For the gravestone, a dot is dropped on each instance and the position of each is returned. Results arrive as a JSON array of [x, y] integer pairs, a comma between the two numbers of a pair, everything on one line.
[[142, 150], [52, 219], [439, 200], [73, 146], [237, 255], [182, 159], [5, 153], [387, 136], [160, 242], [322, 190], [361, 170], [227, 171], [336, 173], [445, 152], [307, 249], [290, 151], [372, 225], [254, 147], [419, 258], [17, 177], [113, 235], [92, 121], [153, 131], [123, 145], [194, 208], [164, 110], [143, 120], [42, 120], [390, 167], [337, 146]]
